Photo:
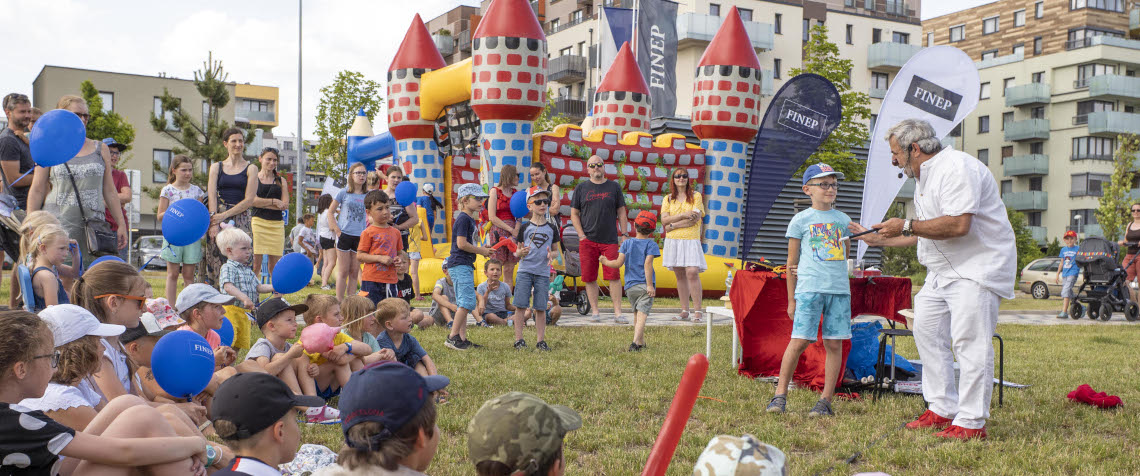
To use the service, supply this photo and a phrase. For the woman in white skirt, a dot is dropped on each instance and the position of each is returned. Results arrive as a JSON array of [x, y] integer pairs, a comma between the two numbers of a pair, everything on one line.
[[681, 213]]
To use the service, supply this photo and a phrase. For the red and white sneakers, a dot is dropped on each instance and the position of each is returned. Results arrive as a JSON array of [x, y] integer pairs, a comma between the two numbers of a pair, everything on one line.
[[930, 419]]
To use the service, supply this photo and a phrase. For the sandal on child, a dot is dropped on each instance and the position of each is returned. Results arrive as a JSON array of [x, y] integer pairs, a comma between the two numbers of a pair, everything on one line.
[[683, 316]]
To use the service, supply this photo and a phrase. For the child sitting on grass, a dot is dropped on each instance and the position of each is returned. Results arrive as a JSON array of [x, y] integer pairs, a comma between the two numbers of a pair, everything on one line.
[[640, 282], [278, 323], [395, 324], [443, 306], [502, 423], [237, 279], [333, 366], [494, 297], [364, 330], [406, 291]]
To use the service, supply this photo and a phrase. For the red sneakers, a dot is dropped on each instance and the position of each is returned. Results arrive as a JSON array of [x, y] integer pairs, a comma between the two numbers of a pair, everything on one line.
[[930, 419], [959, 433]]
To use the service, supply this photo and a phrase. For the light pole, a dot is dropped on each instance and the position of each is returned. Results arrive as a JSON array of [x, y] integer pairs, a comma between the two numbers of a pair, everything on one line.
[[1078, 219], [299, 177]]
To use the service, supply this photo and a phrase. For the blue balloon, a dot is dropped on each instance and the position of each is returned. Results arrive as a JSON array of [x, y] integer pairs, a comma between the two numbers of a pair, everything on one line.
[[185, 222], [182, 363], [292, 273], [226, 332], [104, 259], [518, 204], [405, 193], [57, 137]]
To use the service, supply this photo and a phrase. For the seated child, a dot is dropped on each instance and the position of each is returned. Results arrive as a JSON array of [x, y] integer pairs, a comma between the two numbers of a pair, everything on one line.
[[363, 329], [333, 367], [237, 279], [28, 227], [49, 248], [278, 323], [407, 291], [443, 306], [640, 282], [396, 323], [503, 421], [125, 434], [256, 415], [201, 306], [494, 297], [390, 422]]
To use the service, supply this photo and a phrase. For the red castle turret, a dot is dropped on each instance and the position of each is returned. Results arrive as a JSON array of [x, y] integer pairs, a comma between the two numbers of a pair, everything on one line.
[[726, 92], [622, 101], [508, 69], [416, 56]]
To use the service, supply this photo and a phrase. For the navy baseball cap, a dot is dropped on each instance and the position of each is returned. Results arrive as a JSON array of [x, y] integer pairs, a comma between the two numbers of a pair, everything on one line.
[[111, 142], [388, 393], [821, 170]]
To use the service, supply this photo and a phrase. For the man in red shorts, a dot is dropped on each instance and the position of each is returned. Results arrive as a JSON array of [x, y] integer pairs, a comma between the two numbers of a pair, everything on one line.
[[597, 211]]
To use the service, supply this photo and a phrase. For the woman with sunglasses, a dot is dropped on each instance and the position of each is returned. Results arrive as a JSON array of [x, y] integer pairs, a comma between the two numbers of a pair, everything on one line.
[[681, 216], [269, 204], [1131, 238], [53, 188]]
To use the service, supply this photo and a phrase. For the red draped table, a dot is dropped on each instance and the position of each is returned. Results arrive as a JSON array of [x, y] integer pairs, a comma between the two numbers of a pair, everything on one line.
[[760, 308]]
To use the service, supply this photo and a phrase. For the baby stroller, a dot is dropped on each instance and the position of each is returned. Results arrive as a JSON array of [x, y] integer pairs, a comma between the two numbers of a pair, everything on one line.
[[1105, 289], [574, 296]]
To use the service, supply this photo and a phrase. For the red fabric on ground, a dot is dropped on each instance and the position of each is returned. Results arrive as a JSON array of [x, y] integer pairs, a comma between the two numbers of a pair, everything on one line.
[[1086, 394], [760, 305]]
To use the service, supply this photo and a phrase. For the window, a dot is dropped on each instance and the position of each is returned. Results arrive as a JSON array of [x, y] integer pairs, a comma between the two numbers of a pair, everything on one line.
[[714, 9], [847, 80], [1082, 37], [1034, 218], [1019, 18], [991, 54], [896, 7], [1093, 148], [876, 35], [983, 124], [879, 81], [849, 3], [582, 51], [984, 156], [776, 68], [1038, 45], [957, 33], [1006, 187], [807, 27], [1110, 5], [1038, 77], [874, 120], [985, 92], [576, 17], [108, 100], [930, 39], [745, 13], [1006, 84], [169, 116], [161, 165], [1085, 185], [990, 25], [1087, 71], [1037, 148], [1006, 152], [1039, 9], [850, 34], [1037, 112], [1006, 118], [569, 50], [554, 24], [1035, 184], [1084, 108], [956, 131], [1019, 49], [903, 38], [869, 4], [777, 25], [1088, 217], [288, 145], [255, 105]]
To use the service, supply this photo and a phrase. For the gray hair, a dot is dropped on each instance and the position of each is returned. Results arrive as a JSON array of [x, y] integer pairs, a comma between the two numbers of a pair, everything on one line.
[[915, 131], [14, 99]]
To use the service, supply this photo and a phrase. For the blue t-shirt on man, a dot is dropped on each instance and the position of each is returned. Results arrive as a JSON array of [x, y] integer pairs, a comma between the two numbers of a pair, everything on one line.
[[1068, 266], [822, 267], [635, 251]]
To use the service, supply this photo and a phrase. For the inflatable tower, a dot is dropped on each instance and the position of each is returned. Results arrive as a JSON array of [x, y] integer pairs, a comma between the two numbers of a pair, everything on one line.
[[622, 100]]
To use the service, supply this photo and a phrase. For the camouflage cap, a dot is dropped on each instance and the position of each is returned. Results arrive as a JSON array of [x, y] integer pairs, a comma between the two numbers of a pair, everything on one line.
[[519, 430], [740, 456]]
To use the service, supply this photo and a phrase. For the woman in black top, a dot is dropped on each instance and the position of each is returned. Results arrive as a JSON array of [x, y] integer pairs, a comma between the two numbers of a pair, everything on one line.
[[268, 222], [230, 191]]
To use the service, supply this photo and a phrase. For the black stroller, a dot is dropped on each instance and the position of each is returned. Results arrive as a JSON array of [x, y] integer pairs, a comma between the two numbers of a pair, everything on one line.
[[1105, 289], [572, 296]]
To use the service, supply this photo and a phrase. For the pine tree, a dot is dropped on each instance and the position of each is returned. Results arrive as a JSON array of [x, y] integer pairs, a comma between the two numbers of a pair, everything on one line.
[[1112, 212], [339, 105], [548, 120], [822, 57], [104, 124]]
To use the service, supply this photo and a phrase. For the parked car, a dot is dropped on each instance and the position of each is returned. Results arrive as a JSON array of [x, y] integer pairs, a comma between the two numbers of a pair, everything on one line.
[[147, 247], [1039, 278]]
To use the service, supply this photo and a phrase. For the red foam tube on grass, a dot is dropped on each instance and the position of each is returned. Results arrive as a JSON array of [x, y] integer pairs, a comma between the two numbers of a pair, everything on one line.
[[691, 381]]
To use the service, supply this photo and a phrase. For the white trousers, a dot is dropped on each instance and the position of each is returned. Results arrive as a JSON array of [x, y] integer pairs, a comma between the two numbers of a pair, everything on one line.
[[956, 318]]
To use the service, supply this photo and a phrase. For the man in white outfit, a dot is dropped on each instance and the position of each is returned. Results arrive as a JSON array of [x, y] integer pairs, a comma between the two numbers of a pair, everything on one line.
[[967, 245]]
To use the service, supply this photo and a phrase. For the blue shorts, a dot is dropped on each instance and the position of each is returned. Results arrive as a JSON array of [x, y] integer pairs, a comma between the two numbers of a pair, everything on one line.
[[379, 291], [328, 393], [531, 288], [463, 276], [835, 310]]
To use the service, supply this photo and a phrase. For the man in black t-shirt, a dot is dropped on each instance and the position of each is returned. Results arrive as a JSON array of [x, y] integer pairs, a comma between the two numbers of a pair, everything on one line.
[[15, 156], [598, 213]]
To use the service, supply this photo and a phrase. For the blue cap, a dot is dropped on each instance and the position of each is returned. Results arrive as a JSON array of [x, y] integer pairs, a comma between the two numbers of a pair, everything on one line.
[[472, 189], [111, 142], [388, 393], [821, 170]]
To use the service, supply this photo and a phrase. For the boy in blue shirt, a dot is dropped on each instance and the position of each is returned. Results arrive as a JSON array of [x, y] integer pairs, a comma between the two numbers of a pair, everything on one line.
[[1067, 271], [820, 285], [461, 263], [640, 282]]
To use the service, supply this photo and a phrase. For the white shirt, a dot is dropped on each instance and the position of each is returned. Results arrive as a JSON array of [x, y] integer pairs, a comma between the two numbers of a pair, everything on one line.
[[303, 234], [118, 362], [323, 230], [61, 397], [953, 183]]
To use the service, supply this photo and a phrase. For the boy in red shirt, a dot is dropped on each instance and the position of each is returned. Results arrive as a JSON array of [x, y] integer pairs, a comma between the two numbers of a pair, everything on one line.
[[379, 250]]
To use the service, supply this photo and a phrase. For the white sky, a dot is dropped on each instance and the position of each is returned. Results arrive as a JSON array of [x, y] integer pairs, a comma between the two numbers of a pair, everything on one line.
[[255, 39]]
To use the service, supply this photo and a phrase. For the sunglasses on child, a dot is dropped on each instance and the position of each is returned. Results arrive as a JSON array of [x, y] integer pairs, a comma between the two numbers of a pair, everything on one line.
[[542, 201]]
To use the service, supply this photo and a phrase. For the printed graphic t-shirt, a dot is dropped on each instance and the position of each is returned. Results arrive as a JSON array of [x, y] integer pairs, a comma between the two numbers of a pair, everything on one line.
[[822, 267], [1068, 266]]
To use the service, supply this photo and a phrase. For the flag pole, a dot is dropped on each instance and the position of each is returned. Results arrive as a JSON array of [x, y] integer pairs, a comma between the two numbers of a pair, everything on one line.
[[633, 37]]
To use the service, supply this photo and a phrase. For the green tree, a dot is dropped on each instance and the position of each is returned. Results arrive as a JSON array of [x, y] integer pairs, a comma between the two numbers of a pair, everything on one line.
[[822, 57], [548, 120], [1027, 248], [340, 102], [900, 261], [1054, 248], [104, 124], [1112, 212]]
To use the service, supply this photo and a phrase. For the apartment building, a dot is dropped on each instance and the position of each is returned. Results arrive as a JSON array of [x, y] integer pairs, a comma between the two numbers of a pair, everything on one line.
[[136, 96], [1058, 85], [452, 31]]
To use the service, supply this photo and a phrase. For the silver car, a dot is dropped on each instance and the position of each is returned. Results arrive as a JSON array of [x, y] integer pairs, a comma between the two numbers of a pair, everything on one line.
[[146, 248], [1039, 278]]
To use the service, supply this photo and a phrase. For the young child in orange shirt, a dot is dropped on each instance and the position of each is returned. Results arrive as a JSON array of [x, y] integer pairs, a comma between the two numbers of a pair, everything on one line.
[[379, 249]]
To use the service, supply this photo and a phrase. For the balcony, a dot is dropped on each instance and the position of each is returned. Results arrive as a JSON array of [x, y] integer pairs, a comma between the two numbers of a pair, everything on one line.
[[1027, 130], [1114, 85], [1026, 201], [260, 116], [907, 190], [444, 43], [1039, 233], [465, 41], [1112, 123], [567, 69], [1033, 164], [697, 27], [574, 21], [999, 60], [889, 56], [573, 108], [1027, 94], [878, 93]]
